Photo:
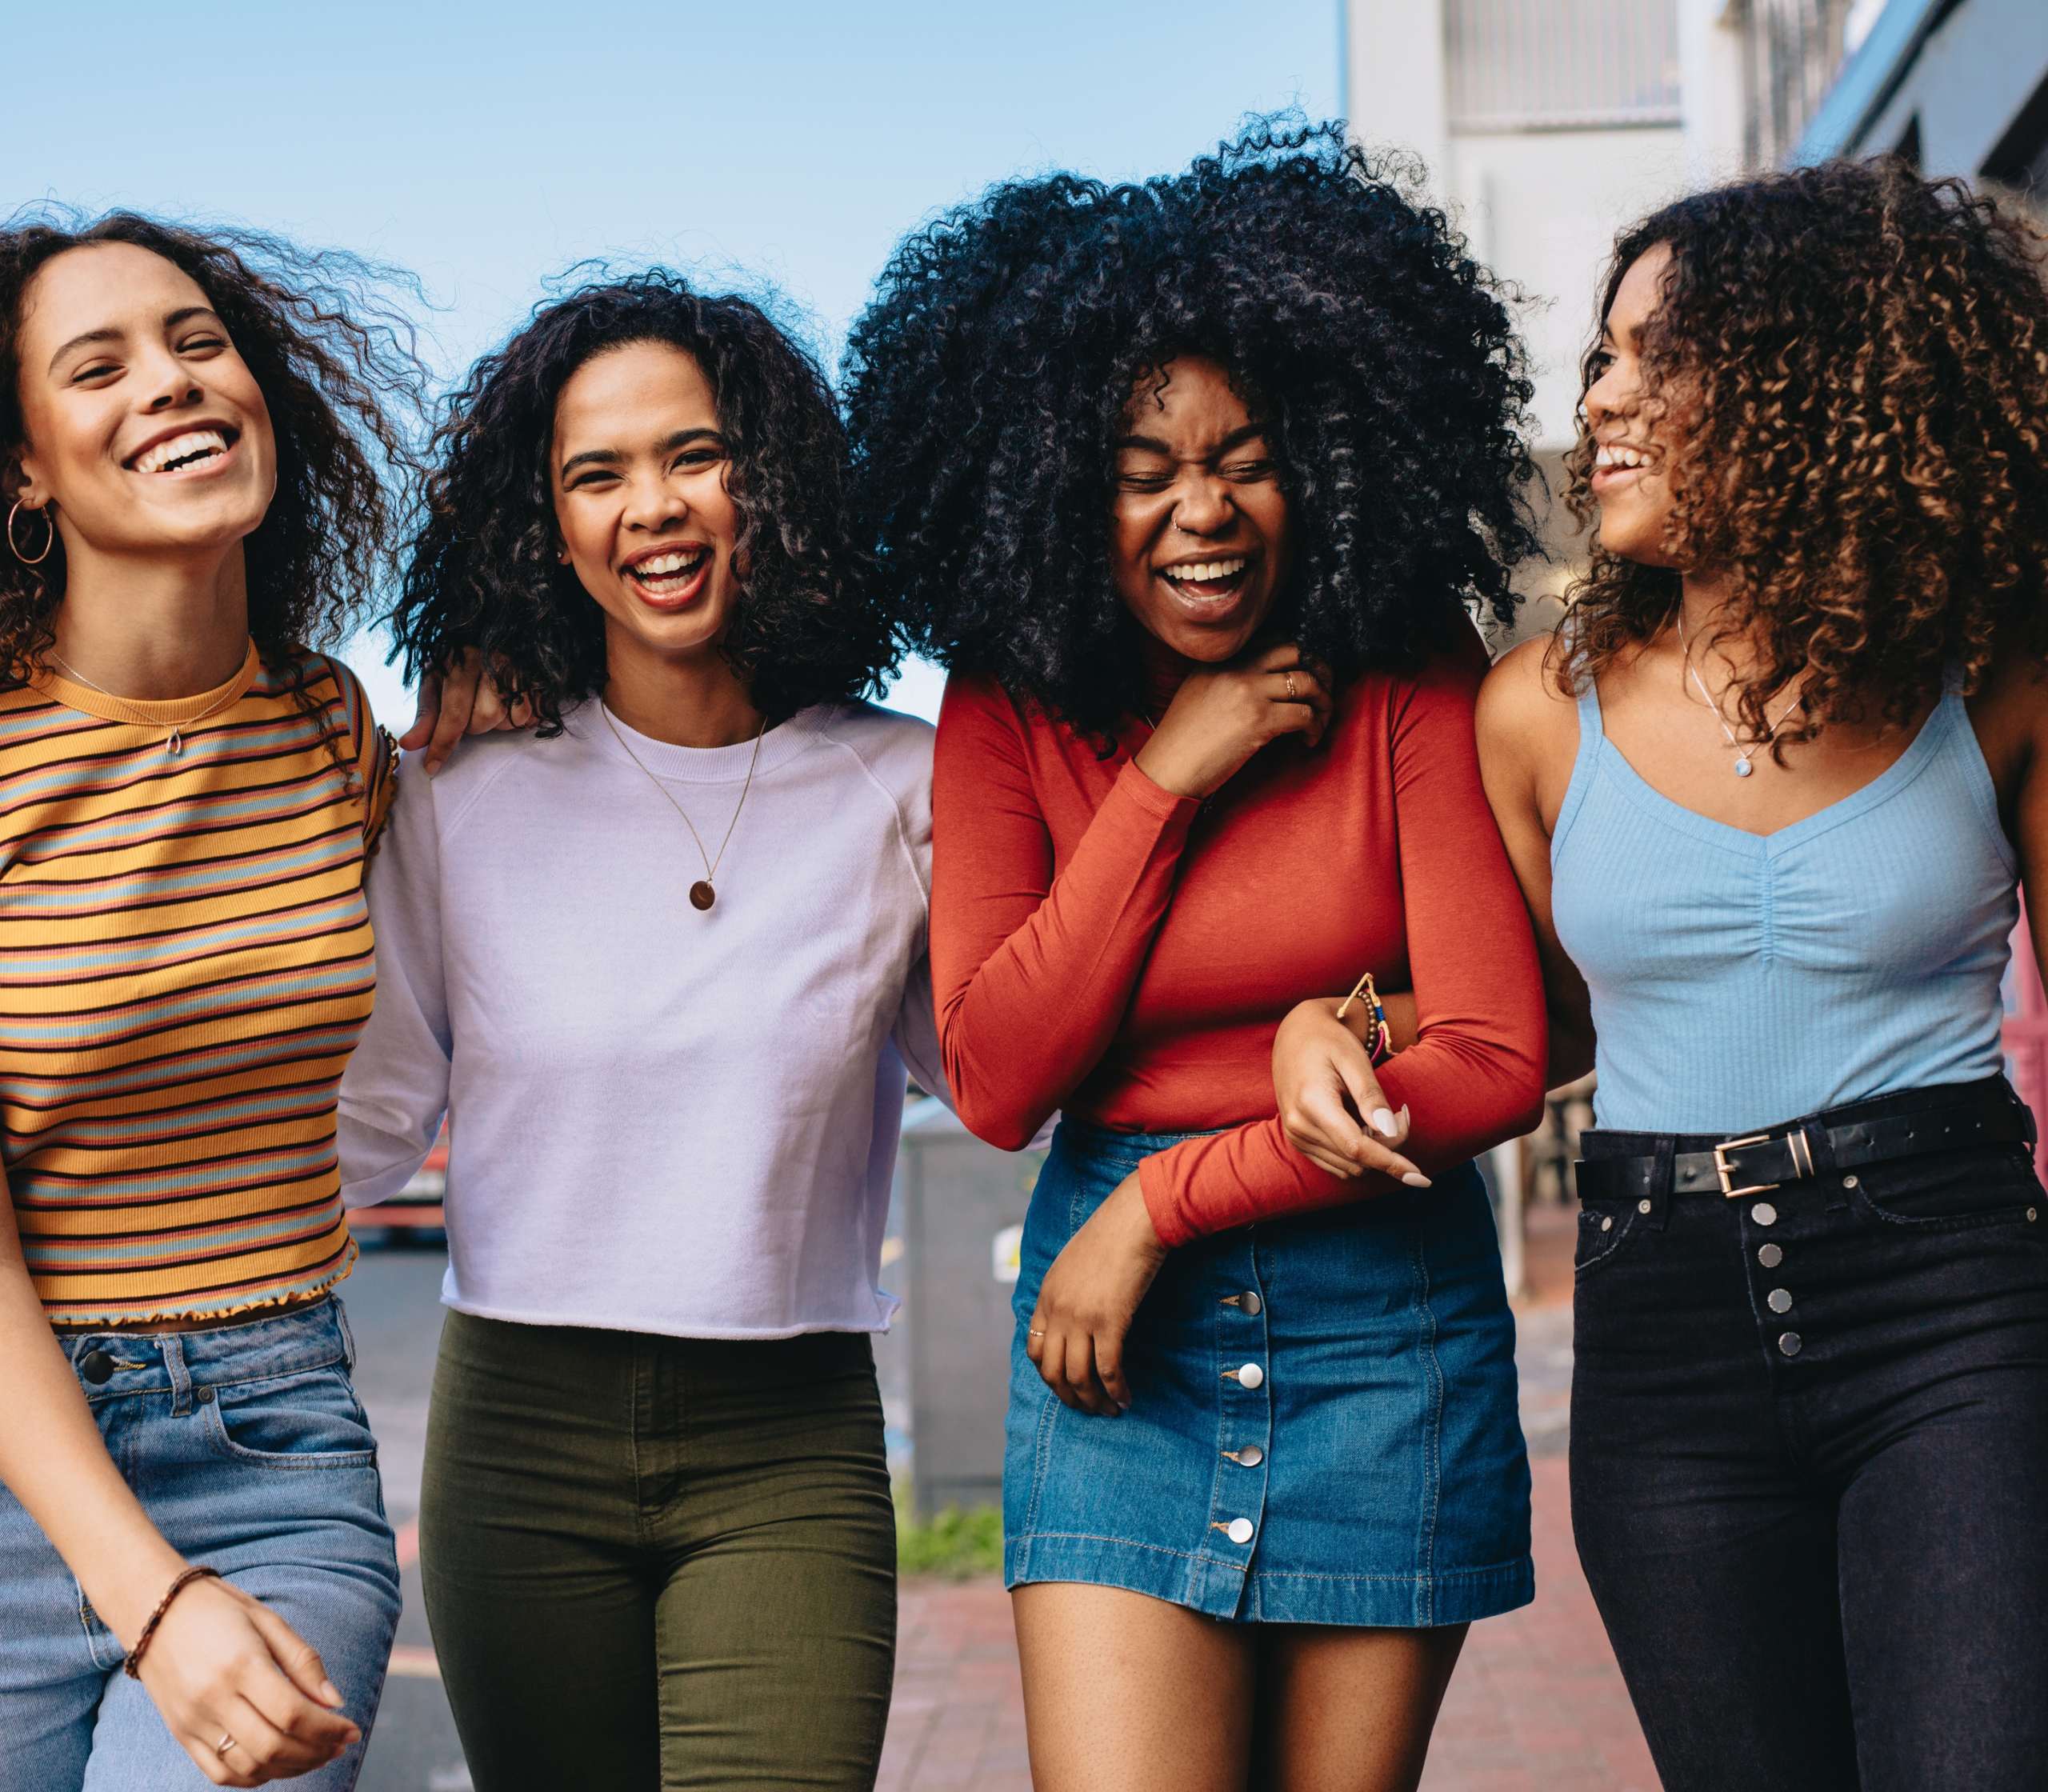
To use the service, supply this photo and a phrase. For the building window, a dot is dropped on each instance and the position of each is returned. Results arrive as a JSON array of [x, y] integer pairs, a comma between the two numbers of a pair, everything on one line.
[[1561, 64], [1792, 51]]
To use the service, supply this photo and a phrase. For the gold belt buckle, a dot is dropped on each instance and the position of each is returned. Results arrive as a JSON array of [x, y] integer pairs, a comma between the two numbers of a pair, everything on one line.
[[1795, 1142], [1721, 1164]]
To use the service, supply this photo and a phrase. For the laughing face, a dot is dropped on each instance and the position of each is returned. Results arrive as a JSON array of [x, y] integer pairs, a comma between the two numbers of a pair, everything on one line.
[[1633, 427], [640, 500], [145, 432], [1199, 539]]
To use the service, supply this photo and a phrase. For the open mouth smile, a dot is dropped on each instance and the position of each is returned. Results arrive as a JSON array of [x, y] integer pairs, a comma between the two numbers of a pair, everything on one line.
[[1212, 580], [1615, 461], [670, 577], [203, 447]]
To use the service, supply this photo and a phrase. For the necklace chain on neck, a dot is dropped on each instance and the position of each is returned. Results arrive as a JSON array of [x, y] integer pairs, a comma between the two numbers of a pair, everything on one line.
[[703, 893], [1743, 754], [175, 741]]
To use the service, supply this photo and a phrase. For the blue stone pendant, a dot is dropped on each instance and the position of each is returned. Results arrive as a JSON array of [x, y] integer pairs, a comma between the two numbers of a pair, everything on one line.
[[1743, 768]]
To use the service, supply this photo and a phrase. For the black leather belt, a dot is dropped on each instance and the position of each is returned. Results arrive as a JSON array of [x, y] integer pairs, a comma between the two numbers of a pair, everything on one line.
[[1804, 1148]]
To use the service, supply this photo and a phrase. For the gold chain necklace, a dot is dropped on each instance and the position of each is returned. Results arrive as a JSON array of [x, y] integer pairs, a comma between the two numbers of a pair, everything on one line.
[[701, 894], [174, 742]]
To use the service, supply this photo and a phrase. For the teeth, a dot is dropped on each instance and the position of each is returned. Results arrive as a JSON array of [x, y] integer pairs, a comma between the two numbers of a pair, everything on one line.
[[1205, 572], [1618, 453], [663, 565], [181, 447]]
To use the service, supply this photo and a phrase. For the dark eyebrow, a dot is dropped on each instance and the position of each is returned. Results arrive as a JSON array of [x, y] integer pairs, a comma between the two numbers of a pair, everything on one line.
[[171, 321], [610, 457], [1151, 445]]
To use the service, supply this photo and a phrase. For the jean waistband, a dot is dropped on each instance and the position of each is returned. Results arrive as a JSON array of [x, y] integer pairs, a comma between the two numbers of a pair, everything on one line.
[[314, 1336], [1097, 1139], [1653, 1167]]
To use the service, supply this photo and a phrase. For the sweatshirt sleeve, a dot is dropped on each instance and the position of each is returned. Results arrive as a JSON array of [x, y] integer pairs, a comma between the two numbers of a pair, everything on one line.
[[395, 1091], [1031, 971], [1474, 1076]]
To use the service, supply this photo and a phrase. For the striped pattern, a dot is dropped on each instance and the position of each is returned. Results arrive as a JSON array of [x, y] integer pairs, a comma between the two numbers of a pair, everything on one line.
[[185, 966]]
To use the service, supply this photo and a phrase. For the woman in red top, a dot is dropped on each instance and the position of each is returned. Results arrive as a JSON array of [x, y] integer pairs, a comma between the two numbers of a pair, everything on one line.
[[1191, 483]]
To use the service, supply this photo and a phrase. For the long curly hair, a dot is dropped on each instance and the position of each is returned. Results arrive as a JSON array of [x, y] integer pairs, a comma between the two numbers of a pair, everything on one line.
[[483, 573], [1859, 358], [330, 346], [986, 382]]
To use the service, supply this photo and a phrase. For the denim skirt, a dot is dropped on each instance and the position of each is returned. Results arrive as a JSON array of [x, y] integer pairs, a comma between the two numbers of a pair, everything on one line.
[[1323, 1426]]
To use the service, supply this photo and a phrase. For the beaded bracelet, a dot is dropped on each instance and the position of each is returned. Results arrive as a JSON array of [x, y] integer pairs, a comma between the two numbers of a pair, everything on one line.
[[1382, 1045], [132, 1665]]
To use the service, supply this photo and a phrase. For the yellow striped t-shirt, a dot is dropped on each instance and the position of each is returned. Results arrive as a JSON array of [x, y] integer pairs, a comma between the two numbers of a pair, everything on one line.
[[185, 966]]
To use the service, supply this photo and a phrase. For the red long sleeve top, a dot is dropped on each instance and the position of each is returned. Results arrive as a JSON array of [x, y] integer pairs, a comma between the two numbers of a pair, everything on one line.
[[1101, 946]]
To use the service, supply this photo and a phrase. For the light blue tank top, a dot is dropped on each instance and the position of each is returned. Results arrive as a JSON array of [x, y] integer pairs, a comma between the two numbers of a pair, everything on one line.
[[1739, 979]]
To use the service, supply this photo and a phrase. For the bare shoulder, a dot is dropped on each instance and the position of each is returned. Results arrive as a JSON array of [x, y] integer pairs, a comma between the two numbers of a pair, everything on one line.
[[1520, 704]]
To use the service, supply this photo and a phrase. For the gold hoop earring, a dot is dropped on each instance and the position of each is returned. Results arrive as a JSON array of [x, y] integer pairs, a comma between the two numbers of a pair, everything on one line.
[[49, 540]]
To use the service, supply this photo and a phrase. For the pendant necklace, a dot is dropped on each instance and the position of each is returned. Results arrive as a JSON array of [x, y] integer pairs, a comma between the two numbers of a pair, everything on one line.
[[1743, 754], [174, 742], [701, 894]]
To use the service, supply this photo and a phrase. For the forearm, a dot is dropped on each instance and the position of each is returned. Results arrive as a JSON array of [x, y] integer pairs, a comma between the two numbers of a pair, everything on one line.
[[53, 1461]]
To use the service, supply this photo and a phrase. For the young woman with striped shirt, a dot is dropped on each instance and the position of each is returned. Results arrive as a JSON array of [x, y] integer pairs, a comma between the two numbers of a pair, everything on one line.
[[192, 430]]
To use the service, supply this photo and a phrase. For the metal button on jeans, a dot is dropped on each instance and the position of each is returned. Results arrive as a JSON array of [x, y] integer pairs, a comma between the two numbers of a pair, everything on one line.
[[1240, 1530], [1250, 1374], [96, 1366], [1249, 1302], [1249, 1457], [1764, 1213], [1789, 1343], [1770, 1256], [1642, 1206], [1780, 1300], [1607, 1222]]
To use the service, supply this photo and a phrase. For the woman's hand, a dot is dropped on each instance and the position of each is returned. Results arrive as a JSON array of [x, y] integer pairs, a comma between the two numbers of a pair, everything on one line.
[[1219, 718], [460, 701], [1088, 1300], [221, 1665], [1317, 1063]]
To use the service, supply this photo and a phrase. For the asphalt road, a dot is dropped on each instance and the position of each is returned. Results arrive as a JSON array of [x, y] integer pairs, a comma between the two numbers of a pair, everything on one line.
[[393, 1307]]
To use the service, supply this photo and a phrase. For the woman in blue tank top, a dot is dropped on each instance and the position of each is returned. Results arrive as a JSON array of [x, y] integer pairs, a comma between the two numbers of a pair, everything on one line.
[[1772, 794]]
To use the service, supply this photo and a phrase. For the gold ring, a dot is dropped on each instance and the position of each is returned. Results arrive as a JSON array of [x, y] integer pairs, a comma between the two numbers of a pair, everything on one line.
[[223, 1745], [1035, 1331], [1290, 677]]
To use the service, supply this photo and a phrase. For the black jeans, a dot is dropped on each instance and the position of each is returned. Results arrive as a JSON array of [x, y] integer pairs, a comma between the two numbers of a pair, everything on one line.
[[1809, 1472]]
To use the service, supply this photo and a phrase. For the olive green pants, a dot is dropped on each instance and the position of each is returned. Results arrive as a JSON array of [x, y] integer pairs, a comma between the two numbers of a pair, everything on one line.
[[659, 1562]]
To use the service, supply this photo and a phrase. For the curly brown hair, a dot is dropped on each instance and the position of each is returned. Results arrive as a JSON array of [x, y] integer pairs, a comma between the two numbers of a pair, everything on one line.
[[332, 352], [1861, 359]]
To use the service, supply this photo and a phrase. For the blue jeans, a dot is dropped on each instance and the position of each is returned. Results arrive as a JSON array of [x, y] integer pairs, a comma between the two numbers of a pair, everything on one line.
[[248, 1448], [1808, 1467]]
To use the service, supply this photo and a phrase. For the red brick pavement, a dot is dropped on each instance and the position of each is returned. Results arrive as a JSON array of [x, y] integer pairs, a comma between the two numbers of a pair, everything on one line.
[[1536, 1706]]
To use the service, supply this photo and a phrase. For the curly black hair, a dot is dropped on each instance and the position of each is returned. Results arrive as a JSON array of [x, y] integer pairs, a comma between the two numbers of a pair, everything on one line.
[[986, 382], [483, 573], [1858, 358], [330, 346]]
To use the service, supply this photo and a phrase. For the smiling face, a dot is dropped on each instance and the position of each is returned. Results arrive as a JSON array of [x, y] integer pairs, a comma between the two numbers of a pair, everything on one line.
[[1633, 427], [640, 500], [144, 429], [1199, 537]]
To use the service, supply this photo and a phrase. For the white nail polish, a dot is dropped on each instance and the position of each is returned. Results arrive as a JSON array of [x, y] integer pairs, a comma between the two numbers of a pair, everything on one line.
[[1383, 1122], [1416, 1180]]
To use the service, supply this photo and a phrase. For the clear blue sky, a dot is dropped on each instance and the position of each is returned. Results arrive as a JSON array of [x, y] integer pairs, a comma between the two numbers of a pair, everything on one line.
[[485, 146]]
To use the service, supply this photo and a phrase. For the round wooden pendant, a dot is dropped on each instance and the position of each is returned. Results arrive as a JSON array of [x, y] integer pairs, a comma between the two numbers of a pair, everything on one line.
[[701, 894]]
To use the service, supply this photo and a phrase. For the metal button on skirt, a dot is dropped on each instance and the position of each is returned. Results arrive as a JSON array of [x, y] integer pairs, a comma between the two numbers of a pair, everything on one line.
[[1323, 1426]]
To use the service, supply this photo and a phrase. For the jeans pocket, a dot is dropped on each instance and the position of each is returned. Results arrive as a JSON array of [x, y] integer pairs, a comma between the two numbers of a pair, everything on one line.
[[1958, 1191], [1601, 1236], [311, 1420]]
